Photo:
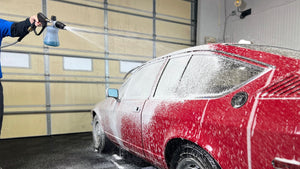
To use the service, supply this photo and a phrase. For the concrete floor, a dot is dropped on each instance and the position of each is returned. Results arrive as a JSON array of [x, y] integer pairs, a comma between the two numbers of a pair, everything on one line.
[[72, 151]]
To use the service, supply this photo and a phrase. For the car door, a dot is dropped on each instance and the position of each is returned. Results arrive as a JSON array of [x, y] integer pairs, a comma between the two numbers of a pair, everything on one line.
[[157, 113], [130, 106]]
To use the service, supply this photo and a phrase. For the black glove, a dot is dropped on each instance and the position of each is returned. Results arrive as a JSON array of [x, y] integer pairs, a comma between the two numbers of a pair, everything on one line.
[[20, 29]]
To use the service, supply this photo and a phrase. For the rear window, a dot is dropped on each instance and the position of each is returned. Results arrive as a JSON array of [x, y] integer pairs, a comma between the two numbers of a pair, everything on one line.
[[205, 75]]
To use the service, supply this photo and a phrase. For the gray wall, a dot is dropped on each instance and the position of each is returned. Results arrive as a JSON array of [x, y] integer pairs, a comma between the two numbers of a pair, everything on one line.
[[210, 19], [272, 22]]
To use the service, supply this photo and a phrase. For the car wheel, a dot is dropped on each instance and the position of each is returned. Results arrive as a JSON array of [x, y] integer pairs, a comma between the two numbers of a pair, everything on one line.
[[98, 135], [190, 156]]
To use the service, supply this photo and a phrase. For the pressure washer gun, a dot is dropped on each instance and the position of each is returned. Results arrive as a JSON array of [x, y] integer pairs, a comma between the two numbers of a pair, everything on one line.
[[43, 20], [51, 37]]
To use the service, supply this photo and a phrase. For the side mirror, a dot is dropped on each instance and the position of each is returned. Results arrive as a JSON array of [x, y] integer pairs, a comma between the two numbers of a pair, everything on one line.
[[114, 93]]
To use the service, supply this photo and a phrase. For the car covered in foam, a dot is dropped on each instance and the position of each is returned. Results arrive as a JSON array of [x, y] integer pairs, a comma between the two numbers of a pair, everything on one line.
[[212, 106]]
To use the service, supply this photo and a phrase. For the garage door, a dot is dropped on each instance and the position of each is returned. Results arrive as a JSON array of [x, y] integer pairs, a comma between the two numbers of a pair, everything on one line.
[[51, 90]]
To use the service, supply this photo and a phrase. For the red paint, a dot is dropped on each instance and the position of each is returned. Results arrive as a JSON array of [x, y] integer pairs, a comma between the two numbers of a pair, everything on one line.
[[274, 129]]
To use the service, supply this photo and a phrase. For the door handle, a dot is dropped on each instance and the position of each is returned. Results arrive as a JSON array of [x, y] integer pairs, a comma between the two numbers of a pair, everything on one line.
[[137, 109]]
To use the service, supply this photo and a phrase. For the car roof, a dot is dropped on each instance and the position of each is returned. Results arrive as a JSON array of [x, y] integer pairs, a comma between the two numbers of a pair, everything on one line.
[[268, 51], [292, 53]]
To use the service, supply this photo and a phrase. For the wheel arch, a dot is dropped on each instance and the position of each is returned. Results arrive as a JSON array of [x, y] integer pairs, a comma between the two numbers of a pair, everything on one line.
[[171, 147], [93, 112]]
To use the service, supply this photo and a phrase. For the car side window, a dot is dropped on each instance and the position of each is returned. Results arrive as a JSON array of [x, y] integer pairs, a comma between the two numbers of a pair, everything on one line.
[[169, 80], [124, 87], [211, 75], [142, 81], [203, 75]]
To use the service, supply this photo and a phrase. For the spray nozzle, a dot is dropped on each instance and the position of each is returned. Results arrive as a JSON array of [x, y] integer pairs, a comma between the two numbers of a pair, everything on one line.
[[57, 24], [60, 25]]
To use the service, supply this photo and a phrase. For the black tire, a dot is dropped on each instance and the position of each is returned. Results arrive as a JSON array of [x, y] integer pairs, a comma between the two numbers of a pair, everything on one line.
[[190, 156], [99, 140]]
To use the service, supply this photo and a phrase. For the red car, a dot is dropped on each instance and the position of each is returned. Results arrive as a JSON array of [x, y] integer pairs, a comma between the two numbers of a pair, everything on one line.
[[208, 107]]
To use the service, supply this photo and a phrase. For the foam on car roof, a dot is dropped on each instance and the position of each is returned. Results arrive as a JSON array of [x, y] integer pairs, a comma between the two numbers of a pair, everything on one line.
[[272, 49]]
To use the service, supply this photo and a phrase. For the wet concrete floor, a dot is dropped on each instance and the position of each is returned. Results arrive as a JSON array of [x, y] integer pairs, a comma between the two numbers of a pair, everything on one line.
[[73, 151]]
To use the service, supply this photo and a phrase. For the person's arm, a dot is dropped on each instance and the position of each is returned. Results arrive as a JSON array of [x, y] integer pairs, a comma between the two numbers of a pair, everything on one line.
[[5, 28], [19, 29]]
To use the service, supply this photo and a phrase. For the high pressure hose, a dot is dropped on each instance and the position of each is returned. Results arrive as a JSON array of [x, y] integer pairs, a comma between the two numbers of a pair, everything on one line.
[[11, 44]]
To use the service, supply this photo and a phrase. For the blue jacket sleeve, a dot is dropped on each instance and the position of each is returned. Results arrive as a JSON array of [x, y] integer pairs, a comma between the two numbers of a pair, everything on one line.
[[5, 28]]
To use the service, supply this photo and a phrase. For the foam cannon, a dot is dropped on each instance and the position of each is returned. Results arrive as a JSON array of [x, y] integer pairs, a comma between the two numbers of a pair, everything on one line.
[[51, 37]]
